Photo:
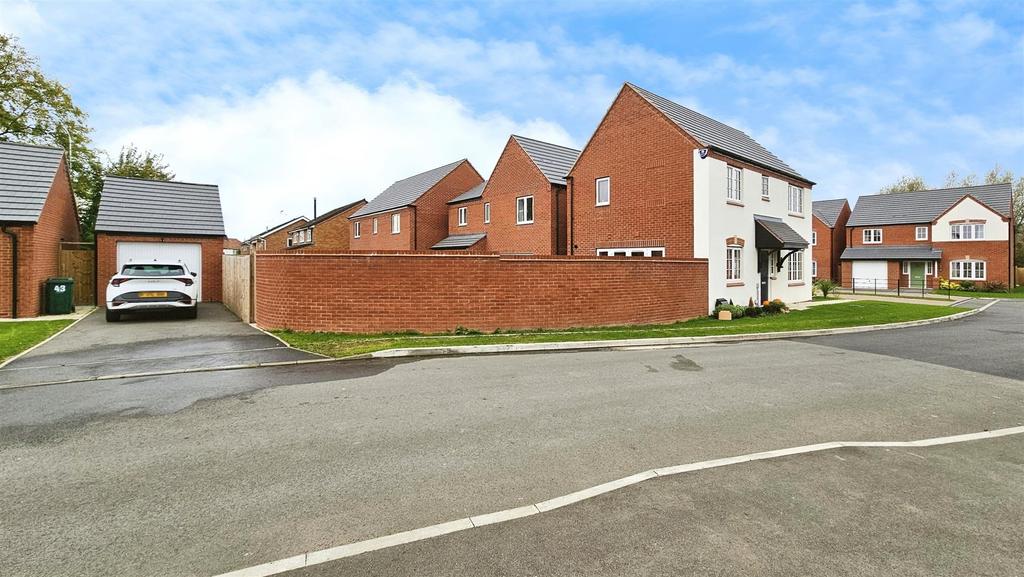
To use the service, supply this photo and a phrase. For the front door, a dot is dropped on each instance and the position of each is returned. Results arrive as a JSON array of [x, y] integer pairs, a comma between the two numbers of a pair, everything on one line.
[[762, 269], [917, 275]]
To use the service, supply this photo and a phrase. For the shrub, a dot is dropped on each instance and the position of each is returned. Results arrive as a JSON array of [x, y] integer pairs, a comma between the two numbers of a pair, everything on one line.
[[461, 330], [736, 310], [948, 284], [994, 286], [753, 311], [967, 285], [825, 286], [775, 307]]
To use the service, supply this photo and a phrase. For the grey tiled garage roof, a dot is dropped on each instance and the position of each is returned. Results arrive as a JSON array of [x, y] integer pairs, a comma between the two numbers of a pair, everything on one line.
[[828, 210], [471, 194], [925, 205], [891, 253], [554, 161], [406, 191], [714, 134], [133, 205], [459, 241], [26, 174]]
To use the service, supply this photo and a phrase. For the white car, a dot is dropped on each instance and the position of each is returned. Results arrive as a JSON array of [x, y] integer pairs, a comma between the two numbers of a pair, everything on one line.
[[145, 286]]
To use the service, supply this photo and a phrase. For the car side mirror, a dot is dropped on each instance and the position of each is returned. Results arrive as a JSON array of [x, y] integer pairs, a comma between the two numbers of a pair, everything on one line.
[[194, 275]]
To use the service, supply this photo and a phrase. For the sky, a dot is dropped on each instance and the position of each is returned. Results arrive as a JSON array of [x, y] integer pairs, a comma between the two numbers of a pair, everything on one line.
[[281, 102]]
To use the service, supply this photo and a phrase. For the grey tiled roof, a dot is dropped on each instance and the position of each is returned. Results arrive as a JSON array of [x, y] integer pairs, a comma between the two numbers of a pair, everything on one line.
[[26, 174], [714, 134], [925, 205], [554, 161], [471, 194], [327, 215], [459, 241], [782, 234], [406, 191], [891, 253], [134, 205], [274, 229], [828, 210]]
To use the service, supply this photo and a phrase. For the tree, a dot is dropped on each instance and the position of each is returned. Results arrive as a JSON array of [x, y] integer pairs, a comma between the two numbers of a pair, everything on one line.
[[134, 164], [905, 184]]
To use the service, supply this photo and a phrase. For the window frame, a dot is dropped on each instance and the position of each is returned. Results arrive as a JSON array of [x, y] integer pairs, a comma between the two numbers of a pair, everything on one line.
[[795, 273], [597, 191], [765, 189], [463, 215], [396, 223], [374, 225], [917, 233], [646, 252], [487, 213], [524, 200], [357, 229], [799, 196], [733, 263], [733, 183], [864, 236], [814, 238], [973, 266], [814, 268]]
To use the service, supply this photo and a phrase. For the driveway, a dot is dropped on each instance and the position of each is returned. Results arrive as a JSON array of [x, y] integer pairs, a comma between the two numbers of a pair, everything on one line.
[[143, 344]]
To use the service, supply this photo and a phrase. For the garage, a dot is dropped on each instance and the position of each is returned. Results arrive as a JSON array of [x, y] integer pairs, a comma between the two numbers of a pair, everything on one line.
[[153, 220], [869, 274]]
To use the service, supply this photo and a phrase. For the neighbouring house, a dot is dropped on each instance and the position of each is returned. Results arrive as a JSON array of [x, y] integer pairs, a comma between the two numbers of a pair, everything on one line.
[[468, 217], [147, 220], [37, 213], [657, 179], [911, 239], [828, 237], [275, 238], [329, 231], [232, 246], [412, 213]]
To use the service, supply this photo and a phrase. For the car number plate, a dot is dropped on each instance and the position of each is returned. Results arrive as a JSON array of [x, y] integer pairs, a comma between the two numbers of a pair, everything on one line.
[[153, 295]]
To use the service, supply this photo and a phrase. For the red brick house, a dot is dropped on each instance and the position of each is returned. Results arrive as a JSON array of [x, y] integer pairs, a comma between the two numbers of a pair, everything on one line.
[[468, 218], [329, 231], [412, 213], [160, 220], [828, 237], [37, 213], [916, 238], [275, 238]]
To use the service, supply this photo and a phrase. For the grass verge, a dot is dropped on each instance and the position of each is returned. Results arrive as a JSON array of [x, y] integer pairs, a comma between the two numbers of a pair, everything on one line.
[[18, 336], [851, 314], [1016, 293]]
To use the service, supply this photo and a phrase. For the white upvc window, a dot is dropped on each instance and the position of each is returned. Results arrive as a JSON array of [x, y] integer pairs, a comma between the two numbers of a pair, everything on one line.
[[603, 187], [814, 238], [357, 228], [309, 235], [967, 270], [733, 183], [396, 223], [764, 188], [814, 269], [463, 215], [733, 263], [796, 199], [375, 225], [524, 210], [872, 236], [921, 233], [487, 213], [302, 236], [929, 267], [796, 266], [967, 231], [656, 251], [291, 239]]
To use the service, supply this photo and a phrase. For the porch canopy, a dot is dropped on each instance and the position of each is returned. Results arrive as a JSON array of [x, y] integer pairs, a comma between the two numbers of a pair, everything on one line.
[[891, 253], [458, 241], [773, 234]]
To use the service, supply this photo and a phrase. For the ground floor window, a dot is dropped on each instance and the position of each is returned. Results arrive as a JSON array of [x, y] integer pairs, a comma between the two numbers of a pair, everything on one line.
[[814, 269], [733, 263], [648, 252], [967, 270], [796, 266]]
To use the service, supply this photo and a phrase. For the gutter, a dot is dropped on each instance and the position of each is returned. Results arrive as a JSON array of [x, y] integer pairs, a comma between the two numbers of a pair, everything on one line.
[[14, 271]]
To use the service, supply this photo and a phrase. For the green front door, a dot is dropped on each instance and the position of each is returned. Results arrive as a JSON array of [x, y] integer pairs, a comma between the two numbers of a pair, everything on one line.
[[917, 275]]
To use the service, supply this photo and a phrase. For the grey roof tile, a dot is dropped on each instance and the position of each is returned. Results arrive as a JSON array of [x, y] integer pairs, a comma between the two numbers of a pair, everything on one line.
[[459, 241], [925, 205], [554, 161], [26, 174], [714, 134], [406, 191], [781, 234], [133, 205], [891, 253], [828, 210], [471, 194], [328, 215]]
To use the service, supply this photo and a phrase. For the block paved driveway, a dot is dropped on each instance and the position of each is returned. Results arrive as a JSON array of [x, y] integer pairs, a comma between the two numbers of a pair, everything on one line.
[[205, 473], [147, 343]]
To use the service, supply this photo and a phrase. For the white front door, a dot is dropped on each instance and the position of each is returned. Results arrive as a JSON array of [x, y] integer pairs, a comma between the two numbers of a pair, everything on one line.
[[870, 274], [190, 254]]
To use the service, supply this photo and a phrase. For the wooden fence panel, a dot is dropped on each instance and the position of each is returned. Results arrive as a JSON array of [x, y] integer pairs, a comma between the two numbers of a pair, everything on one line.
[[1020, 275], [238, 285], [78, 261]]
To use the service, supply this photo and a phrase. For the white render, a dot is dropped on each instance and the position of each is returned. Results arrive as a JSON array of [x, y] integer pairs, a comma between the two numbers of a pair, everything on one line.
[[716, 220], [969, 209]]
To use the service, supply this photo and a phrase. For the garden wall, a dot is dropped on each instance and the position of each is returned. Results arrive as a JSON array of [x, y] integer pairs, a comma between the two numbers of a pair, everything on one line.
[[429, 293]]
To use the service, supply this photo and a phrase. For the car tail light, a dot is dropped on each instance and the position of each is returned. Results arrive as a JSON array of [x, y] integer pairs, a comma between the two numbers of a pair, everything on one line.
[[185, 280], [118, 281]]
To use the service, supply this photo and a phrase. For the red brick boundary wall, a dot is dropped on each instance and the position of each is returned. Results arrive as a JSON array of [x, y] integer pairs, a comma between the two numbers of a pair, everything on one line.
[[436, 293]]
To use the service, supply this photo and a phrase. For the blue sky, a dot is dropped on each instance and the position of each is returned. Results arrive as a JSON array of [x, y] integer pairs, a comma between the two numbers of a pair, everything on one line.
[[280, 102]]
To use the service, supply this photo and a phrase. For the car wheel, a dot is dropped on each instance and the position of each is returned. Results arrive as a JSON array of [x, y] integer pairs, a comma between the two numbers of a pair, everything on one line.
[[113, 316], [192, 312]]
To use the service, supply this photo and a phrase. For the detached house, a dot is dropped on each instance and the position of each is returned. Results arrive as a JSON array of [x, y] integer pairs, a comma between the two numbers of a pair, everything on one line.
[[828, 237], [329, 231], [468, 217], [657, 179], [913, 238], [275, 238], [37, 213], [412, 213]]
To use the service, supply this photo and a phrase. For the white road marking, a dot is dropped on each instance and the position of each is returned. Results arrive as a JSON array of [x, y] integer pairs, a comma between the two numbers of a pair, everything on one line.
[[378, 543]]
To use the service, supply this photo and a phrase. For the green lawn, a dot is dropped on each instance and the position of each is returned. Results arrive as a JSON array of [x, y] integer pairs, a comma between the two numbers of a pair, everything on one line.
[[823, 316], [1016, 293], [18, 336]]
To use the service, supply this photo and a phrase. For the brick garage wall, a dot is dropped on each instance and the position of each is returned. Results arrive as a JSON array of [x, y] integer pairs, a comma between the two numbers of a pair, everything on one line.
[[650, 162], [435, 293], [212, 248], [515, 175]]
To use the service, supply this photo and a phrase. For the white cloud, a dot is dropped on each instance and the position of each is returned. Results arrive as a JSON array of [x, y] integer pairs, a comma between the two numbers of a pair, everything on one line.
[[273, 151], [967, 33], [21, 18]]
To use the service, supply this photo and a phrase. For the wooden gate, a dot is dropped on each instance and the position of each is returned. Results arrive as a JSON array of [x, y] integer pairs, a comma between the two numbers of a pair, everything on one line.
[[78, 261]]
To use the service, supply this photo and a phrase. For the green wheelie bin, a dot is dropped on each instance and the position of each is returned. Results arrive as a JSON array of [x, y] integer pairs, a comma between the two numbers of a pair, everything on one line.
[[60, 296]]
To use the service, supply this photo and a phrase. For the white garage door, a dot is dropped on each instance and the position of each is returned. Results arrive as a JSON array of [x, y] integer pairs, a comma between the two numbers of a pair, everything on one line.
[[190, 254], [868, 274]]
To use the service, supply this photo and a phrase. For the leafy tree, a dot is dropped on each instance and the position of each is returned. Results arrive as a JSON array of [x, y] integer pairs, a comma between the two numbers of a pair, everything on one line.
[[134, 164], [905, 184]]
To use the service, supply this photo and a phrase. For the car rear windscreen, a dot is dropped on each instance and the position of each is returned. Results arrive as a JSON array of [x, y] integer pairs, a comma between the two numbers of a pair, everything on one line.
[[153, 270]]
